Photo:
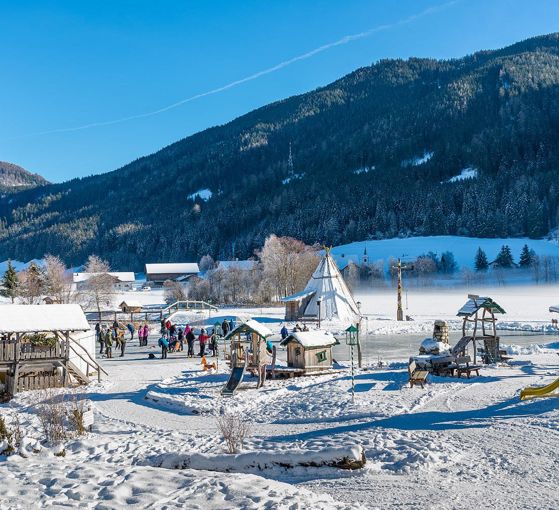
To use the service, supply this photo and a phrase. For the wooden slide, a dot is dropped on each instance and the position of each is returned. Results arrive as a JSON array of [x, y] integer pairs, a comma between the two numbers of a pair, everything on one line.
[[540, 391]]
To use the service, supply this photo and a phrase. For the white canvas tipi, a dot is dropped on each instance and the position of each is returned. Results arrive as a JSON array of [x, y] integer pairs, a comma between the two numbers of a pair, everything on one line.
[[329, 287]]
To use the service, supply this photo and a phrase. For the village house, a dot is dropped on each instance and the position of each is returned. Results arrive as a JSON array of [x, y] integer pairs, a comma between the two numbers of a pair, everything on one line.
[[157, 274]]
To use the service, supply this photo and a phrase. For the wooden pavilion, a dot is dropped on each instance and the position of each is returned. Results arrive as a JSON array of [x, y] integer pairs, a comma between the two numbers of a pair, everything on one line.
[[44, 346]]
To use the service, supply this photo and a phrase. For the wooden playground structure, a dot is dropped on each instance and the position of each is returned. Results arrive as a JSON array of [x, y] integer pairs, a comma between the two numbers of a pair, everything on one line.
[[249, 352], [479, 312]]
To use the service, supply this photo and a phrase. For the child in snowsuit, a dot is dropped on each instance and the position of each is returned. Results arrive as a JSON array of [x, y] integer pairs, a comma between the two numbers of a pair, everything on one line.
[[190, 337]]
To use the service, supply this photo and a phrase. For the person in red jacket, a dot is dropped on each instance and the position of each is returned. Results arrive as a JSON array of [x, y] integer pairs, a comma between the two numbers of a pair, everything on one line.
[[203, 339]]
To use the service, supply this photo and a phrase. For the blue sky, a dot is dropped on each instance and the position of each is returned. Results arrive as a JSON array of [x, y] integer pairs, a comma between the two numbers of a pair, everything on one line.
[[68, 64]]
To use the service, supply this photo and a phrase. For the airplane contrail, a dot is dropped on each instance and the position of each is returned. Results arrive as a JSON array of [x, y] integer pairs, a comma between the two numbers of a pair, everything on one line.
[[344, 40]]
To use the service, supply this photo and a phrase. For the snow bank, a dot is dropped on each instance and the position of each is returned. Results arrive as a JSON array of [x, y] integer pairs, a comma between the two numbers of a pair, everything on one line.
[[515, 350], [418, 160], [343, 458], [467, 173], [204, 194]]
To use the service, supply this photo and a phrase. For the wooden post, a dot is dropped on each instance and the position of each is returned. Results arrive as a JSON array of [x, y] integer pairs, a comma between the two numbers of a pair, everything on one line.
[[16, 367], [474, 336], [399, 311]]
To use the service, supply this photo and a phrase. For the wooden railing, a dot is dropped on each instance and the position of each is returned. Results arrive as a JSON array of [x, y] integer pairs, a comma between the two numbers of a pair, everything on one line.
[[7, 350], [12, 350], [187, 305], [29, 351]]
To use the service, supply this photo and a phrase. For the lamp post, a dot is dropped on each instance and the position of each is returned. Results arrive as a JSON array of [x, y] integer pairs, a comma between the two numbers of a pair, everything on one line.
[[351, 339], [359, 354], [318, 303]]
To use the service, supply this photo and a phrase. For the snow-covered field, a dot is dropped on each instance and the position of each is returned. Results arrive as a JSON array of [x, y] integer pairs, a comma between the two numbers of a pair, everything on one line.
[[463, 248], [455, 444]]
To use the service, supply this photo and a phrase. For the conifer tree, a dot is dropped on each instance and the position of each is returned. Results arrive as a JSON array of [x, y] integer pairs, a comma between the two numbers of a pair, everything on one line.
[[526, 257], [504, 258], [481, 263], [10, 284]]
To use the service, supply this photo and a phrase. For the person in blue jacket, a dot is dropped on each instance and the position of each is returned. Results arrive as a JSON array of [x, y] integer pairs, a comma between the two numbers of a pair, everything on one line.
[[164, 344], [284, 332]]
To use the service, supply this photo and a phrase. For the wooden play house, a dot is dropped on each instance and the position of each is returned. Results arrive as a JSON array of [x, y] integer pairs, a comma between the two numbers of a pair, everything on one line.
[[249, 352], [309, 351], [478, 314], [44, 346]]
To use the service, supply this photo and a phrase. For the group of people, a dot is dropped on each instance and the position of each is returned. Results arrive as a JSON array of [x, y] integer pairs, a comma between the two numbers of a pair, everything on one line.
[[109, 336], [285, 332], [172, 340]]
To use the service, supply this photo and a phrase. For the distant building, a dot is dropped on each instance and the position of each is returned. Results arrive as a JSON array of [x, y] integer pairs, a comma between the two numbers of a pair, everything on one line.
[[121, 280], [130, 306], [182, 271]]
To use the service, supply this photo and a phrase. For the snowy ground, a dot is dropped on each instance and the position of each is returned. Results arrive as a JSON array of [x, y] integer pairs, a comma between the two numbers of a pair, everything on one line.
[[455, 444]]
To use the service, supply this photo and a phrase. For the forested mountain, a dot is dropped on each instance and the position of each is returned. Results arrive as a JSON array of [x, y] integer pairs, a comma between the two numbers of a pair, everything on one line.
[[13, 176], [375, 154]]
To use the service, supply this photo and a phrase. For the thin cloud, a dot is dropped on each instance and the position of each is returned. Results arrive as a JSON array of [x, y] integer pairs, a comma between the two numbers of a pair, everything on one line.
[[340, 42]]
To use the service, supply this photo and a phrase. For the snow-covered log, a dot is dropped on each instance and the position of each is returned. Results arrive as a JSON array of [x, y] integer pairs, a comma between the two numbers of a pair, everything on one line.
[[343, 458]]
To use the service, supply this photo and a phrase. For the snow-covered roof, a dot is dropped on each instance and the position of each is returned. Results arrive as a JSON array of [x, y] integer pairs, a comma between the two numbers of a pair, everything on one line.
[[173, 268], [311, 339], [252, 325], [35, 318], [126, 276], [298, 296], [243, 265], [554, 308], [131, 303], [475, 304]]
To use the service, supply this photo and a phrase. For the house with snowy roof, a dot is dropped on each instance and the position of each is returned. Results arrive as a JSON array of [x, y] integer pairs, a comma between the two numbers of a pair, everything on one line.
[[122, 280], [173, 271]]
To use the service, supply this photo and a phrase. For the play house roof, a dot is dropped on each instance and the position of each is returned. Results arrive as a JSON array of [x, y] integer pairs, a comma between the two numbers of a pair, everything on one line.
[[39, 318], [479, 303], [311, 339], [252, 325]]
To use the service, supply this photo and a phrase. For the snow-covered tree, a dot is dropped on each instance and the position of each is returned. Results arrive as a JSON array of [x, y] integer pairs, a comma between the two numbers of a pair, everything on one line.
[[9, 285]]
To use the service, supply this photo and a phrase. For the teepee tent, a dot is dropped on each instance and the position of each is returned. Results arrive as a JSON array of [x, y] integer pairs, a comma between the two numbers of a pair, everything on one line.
[[328, 287]]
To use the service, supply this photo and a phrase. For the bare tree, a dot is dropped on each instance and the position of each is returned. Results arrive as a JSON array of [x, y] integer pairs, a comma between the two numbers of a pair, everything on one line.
[[31, 285], [287, 263], [234, 431], [99, 287], [206, 263], [173, 292], [58, 281]]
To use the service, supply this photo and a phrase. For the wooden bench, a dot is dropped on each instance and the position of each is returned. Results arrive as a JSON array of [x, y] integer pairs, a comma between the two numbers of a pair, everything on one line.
[[463, 366], [417, 375]]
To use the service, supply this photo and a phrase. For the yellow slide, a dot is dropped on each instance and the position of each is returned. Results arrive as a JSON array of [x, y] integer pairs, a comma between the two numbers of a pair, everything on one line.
[[541, 391]]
